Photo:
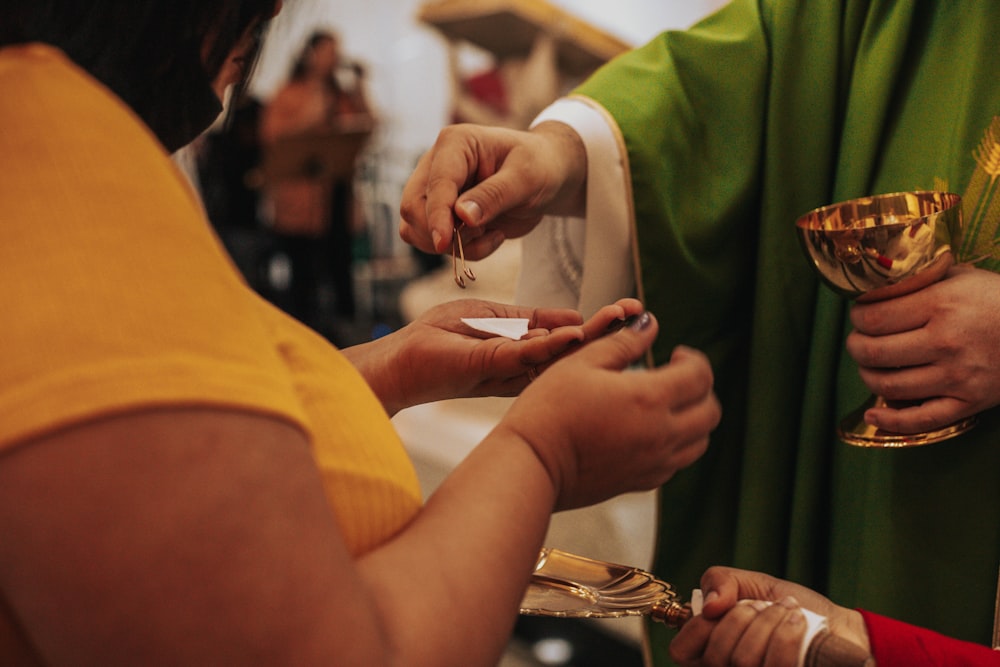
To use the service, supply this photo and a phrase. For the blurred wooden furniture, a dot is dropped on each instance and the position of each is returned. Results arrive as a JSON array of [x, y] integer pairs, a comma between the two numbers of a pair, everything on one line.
[[507, 28], [323, 156]]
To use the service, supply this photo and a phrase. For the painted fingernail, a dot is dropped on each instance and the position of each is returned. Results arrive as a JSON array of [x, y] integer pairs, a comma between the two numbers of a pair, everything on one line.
[[621, 323], [641, 322]]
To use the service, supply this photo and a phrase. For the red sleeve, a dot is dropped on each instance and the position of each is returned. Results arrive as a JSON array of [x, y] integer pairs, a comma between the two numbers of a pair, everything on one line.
[[896, 644]]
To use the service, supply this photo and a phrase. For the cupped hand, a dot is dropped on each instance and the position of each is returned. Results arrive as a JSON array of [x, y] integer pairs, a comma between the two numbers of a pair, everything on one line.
[[936, 346], [727, 633], [498, 182], [439, 356], [600, 429]]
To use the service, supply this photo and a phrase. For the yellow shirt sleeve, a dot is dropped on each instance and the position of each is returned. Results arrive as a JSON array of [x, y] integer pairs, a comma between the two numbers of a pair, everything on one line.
[[116, 292], [117, 296]]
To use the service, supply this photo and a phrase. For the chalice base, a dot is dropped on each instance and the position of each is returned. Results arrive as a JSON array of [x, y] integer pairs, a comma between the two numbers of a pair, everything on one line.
[[854, 431]]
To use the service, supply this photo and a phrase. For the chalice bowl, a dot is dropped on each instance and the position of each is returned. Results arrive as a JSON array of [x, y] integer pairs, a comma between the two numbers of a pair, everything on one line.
[[880, 247]]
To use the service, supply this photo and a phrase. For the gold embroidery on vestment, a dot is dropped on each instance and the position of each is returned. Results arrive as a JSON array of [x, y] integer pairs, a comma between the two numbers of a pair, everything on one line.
[[981, 205]]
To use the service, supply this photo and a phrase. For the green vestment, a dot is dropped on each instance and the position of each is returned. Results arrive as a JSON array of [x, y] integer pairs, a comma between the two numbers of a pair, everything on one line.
[[734, 128]]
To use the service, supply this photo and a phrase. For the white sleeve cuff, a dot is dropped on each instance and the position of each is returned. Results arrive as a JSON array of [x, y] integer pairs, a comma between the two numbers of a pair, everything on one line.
[[584, 264]]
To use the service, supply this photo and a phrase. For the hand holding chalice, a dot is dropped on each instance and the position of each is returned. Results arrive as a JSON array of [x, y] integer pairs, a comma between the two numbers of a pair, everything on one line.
[[879, 247]]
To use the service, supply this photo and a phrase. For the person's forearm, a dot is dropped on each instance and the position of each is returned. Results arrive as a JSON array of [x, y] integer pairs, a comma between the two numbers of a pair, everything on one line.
[[444, 590], [571, 198], [396, 369], [467, 556], [374, 360]]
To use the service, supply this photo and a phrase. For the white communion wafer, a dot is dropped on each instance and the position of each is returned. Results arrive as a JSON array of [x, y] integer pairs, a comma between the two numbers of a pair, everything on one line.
[[509, 327]]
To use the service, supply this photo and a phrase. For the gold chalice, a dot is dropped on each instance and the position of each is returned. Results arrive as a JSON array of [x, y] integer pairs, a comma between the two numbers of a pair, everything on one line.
[[876, 248]]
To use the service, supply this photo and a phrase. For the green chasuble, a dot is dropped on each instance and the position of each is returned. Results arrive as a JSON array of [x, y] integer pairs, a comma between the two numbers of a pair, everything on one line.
[[734, 128]]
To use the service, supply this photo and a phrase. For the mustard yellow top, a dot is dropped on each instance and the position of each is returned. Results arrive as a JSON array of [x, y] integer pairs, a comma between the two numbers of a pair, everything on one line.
[[117, 296]]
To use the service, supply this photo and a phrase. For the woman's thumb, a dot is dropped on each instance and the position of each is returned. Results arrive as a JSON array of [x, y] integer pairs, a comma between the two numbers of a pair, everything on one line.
[[628, 345]]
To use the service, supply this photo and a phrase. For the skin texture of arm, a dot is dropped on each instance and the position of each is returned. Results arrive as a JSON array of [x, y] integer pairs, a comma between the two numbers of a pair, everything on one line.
[[194, 536], [208, 540]]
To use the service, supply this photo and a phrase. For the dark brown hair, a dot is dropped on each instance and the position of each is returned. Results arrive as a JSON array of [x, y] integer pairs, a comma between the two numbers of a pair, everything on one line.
[[148, 52]]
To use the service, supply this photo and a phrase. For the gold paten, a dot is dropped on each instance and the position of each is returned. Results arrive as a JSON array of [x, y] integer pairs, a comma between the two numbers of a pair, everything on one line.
[[569, 586]]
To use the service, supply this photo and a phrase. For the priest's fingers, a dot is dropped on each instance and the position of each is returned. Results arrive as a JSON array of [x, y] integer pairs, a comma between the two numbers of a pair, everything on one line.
[[930, 415], [414, 227], [910, 348]]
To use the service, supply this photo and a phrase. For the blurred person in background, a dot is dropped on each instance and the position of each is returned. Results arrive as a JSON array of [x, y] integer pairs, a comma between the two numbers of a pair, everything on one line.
[[312, 212]]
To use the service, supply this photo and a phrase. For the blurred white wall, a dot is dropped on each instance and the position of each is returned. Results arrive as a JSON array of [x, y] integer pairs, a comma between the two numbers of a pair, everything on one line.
[[407, 61], [637, 21], [408, 76]]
